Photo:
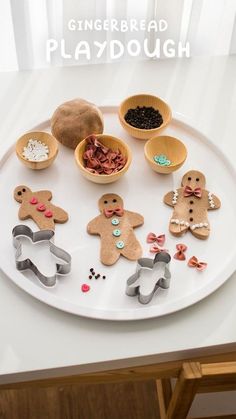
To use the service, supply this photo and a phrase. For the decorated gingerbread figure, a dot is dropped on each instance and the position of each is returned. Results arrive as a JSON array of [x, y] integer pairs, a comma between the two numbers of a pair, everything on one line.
[[115, 227], [191, 203], [37, 205]]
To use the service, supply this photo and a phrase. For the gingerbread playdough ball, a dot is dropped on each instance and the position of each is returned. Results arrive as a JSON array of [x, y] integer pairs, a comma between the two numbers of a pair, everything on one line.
[[75, 120]]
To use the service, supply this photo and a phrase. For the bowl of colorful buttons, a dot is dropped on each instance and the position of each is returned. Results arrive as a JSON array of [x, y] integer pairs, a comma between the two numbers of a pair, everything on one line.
[[144, 116], [37, 150], [165, 154], [102, 158]]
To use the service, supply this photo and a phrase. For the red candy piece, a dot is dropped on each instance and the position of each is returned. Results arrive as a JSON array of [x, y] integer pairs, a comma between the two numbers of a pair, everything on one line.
[[41, 207], [85, 288], [48, 214], [33, 200]]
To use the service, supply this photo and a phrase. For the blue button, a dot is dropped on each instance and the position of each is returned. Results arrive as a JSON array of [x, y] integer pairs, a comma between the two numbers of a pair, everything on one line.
[[120, 244], [115, 221], [116, 233]]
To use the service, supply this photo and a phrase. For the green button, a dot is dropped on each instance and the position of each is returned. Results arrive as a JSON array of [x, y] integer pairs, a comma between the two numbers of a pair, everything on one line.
[[120, 244], [116, 233], [115, 221]]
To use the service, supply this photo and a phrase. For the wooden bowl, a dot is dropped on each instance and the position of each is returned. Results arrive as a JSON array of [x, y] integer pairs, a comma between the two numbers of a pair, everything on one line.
[[144, 100], [111, 142], [171, 147], [44, 137]]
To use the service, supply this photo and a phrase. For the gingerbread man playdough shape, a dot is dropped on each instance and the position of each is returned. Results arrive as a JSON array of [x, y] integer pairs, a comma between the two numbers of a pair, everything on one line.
[[115, 226], [191, 203], [37, 205]]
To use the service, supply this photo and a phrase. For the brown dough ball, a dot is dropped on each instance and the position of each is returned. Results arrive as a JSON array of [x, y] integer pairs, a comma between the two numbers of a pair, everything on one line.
[[75, 120]]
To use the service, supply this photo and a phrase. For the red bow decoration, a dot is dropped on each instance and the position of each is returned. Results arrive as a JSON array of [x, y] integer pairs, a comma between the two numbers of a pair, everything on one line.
[[152, 238], [115, 211], [188, 191], [194, 263], [156, 249], [180, 254]]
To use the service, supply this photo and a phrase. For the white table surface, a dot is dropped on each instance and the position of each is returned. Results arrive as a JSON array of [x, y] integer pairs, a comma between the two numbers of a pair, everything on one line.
[[37, 341]]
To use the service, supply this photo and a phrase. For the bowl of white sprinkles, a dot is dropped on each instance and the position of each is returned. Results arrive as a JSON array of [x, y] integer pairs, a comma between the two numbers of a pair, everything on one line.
[[37, 150]]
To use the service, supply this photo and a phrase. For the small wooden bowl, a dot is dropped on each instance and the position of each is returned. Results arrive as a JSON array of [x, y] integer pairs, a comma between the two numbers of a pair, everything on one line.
[[44, 137], [111, 142], [144, 100], [171, 147]]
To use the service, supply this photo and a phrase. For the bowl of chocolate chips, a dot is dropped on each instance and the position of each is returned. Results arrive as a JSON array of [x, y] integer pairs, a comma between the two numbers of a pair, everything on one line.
[[144, 116]]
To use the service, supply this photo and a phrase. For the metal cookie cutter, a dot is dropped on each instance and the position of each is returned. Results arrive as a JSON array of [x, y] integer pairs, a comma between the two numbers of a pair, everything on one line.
[[157, 267], [39, 236]]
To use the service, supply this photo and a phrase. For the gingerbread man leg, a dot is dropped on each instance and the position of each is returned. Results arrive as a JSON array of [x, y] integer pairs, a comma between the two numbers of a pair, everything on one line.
[[201, 233], [132, 251], [177, 229], [109, 254], [43, 223]]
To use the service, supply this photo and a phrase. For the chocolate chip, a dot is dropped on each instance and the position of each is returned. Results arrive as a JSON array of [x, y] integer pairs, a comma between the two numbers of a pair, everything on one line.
[[145, 117], [189, 178], [191, 219], [90, 276], [190, 210], [19, 193], [191, 202], [91, 270], [104, 277]]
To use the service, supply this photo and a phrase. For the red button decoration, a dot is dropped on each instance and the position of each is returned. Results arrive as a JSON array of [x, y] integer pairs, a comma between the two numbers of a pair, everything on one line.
[[85, 288], [48, 213], [33, 200], [41, 207]]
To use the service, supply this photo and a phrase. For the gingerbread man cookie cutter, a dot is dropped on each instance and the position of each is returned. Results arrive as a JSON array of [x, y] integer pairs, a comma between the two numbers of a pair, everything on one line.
[[64, 268], [162, 277]]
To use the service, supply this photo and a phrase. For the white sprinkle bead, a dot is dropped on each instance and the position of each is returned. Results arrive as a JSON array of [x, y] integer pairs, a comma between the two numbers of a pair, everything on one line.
[[35, 150], [175, 196], [211, 200]]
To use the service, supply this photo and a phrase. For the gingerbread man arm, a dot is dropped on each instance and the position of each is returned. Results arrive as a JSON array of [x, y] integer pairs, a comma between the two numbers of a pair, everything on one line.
[[47, 195], [93, 226], [168, 199], [135, 219], [23, 212], [213, 202], [60, 216]]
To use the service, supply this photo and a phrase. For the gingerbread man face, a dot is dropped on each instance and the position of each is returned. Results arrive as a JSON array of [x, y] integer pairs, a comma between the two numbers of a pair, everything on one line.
[[194, 179], [21, 192], [110, 202]]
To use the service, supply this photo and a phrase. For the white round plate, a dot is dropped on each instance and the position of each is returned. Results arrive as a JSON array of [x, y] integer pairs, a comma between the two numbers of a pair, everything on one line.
[[142, 191]]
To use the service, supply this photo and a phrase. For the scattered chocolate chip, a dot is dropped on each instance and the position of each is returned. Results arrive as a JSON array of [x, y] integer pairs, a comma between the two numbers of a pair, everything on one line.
[[145, 117], [90, 276], [91, 270], [104, 277]]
